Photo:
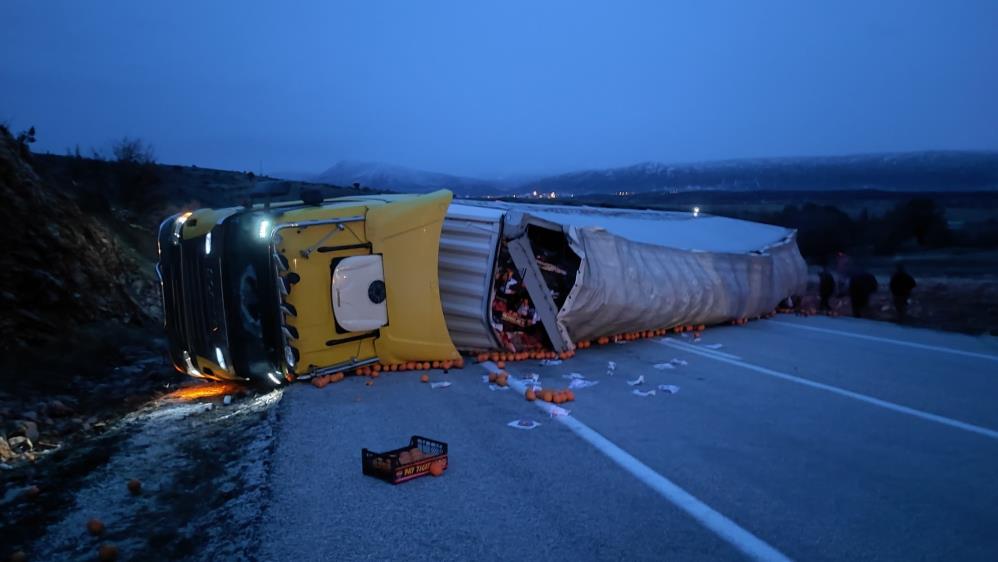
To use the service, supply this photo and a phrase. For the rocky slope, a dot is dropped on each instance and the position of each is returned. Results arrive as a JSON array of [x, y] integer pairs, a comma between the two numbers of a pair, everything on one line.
[[61, 267]]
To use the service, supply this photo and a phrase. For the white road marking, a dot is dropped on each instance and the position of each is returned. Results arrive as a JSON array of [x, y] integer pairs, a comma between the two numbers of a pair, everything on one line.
[[748, 544], [889, 340], [686, 345], [843, 392]]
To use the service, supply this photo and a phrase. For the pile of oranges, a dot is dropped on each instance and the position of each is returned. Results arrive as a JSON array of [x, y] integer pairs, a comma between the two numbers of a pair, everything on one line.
[[550, 396], [321, 382], [500, 357], [377, 368], [501, 378]]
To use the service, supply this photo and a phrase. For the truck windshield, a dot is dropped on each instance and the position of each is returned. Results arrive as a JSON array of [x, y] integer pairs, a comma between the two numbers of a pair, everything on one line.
[[251, 297]]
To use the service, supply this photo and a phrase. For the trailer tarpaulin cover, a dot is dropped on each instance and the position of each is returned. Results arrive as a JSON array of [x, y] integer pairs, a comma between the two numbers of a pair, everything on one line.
[[643, 270]]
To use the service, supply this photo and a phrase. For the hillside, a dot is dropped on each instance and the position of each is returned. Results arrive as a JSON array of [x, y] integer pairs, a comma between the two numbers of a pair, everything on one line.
[[80, 238], [914, 171], [400, 178]]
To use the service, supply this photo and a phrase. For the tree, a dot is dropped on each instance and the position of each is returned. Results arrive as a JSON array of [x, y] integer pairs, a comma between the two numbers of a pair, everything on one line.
[[24, 138], [133, 151]]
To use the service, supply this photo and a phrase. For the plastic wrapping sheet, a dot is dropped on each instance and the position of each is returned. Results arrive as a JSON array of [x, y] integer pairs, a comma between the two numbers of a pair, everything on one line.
[[627, 286]]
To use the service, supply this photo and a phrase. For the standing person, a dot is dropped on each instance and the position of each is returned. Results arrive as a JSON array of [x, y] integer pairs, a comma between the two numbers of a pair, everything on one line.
[[902, 285], [826, 286], [861, 286]]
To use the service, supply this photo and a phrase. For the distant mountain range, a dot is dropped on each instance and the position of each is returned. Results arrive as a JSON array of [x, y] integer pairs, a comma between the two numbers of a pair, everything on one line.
[[906, 171], [400, 178]]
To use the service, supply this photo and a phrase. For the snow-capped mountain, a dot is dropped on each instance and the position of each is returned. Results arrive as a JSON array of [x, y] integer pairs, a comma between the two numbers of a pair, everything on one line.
[[399, 178], [908, 171]]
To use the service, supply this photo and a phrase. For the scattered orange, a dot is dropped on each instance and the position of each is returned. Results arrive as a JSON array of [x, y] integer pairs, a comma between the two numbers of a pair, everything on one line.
[[437, 468], [501, 364], [95, 526], [492, 377], [530, 395], [108, 552], [547, 395], [424, 378], [370, 382], [502, 379]]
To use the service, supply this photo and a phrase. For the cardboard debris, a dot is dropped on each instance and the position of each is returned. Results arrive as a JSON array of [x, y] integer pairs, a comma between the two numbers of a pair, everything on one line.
[[637, 381], [558, 411]]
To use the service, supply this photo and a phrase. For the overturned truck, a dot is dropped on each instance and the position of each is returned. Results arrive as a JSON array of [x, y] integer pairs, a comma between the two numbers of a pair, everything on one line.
[[270, 293]]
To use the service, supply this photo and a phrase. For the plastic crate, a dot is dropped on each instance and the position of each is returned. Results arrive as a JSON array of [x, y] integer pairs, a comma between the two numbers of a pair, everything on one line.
[[389, 468]]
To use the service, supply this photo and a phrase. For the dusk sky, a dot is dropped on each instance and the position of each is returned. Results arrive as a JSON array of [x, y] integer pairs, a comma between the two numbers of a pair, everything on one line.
[[516, 87]]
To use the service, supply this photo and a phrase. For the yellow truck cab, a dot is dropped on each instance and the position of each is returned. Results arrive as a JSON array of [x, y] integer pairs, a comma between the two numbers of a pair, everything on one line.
[[269, 293]]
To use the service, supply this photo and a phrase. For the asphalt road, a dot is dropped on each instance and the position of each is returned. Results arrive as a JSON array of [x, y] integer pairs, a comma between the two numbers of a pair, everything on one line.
[[803, 438]]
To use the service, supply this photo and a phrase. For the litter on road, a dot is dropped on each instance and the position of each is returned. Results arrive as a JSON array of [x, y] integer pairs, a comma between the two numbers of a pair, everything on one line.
[[668, 388], [442, 384], [637, 381], [558, 411], [582, 383], [550, 362], [713, 346], [663, 366], [523, 424], [611, 367], [637, 392], [573, 376]]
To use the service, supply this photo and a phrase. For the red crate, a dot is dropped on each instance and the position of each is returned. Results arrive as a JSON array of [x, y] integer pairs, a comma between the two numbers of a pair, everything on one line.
[[387, 466]]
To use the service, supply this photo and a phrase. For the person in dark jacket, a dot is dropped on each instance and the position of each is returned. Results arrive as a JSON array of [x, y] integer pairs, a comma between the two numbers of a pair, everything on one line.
[[902, 284], [861, 286], [826, 286]]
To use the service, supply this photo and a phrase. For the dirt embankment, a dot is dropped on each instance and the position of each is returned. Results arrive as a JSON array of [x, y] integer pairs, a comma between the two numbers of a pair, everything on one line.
[[60, 267]]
